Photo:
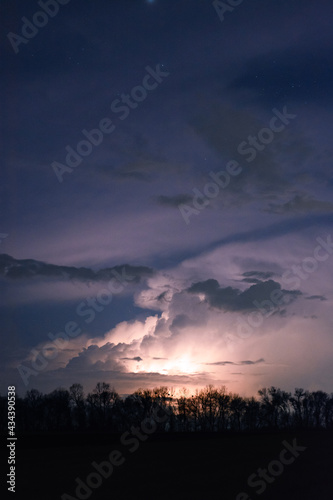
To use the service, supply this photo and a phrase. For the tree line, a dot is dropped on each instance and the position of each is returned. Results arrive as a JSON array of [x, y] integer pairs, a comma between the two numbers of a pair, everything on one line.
[[210, 409]]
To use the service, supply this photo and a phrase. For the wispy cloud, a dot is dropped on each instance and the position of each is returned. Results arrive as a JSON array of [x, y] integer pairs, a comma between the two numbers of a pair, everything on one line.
[[16, 269]]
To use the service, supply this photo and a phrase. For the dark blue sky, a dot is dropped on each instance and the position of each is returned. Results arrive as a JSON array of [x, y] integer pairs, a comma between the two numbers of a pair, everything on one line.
[[214, 162]]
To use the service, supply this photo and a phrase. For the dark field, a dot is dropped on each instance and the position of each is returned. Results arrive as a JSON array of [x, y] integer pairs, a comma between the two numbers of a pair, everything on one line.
[[186, 467]]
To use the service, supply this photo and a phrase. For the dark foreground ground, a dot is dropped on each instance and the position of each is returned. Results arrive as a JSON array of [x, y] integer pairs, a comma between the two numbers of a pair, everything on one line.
[[184, 467]]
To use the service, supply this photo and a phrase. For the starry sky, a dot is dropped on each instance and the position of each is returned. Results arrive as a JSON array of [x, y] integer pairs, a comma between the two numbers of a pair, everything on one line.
[[166, 194]]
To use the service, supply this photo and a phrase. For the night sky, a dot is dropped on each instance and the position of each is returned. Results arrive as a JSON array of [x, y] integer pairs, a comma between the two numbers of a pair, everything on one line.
[[166, 194]]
